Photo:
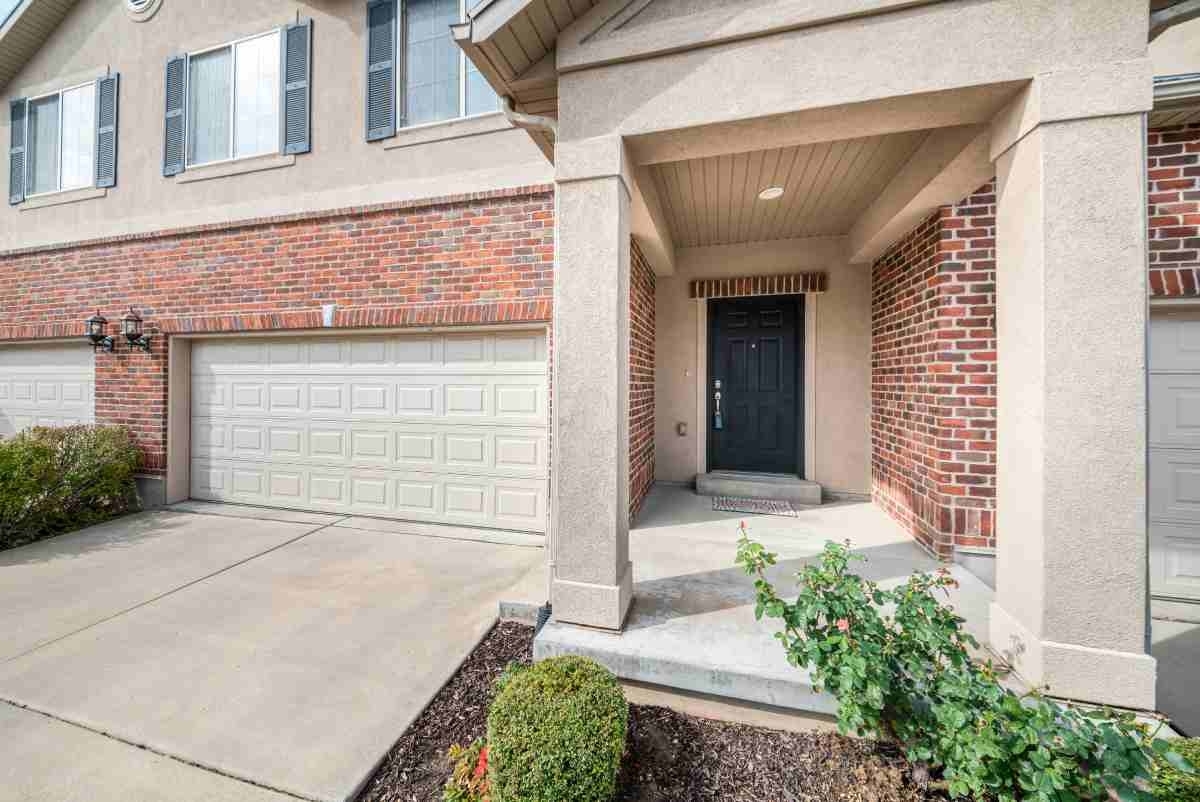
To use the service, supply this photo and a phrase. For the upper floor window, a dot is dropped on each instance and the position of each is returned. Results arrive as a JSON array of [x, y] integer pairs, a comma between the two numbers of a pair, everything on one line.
[[233, 100], [63, 140], [440, 83], [62, 133], [416, 73], [247, 98]]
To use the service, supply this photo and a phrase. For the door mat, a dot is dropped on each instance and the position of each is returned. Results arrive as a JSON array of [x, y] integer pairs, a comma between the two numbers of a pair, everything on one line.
[[754, 506]]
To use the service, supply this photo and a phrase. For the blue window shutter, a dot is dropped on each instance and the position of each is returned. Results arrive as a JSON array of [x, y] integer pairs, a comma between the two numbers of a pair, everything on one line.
[[16, 151], [176, 119], [107, 89], [381, 69], [297, 93]]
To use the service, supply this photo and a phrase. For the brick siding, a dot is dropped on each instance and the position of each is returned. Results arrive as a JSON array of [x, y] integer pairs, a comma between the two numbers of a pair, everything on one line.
[[485, 258], [1173, 176], [641, 379], [933, 377]]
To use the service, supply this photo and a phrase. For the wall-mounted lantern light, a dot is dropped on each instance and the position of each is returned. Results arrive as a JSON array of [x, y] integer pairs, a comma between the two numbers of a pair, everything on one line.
[[131, 327], [95, 327]]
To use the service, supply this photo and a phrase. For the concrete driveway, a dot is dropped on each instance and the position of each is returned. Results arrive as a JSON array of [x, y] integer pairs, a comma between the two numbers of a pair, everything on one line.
[[252, 655]]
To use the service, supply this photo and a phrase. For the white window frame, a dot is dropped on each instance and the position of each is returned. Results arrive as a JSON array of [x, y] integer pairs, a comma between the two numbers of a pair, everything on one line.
[[233, 90], [58, 146], [402, 69]]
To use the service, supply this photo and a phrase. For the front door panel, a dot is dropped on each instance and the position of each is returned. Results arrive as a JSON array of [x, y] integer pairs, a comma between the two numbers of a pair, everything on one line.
[[754, 353]]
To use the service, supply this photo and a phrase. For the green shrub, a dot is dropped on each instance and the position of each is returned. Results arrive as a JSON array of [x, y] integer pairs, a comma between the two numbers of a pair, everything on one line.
[[1173, 785], [556, 733], [909, 677], [56, 480]]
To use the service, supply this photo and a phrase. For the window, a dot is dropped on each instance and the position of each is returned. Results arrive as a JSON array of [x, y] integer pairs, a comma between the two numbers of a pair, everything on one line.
[[61, 131], [233, 97], [440, 83]]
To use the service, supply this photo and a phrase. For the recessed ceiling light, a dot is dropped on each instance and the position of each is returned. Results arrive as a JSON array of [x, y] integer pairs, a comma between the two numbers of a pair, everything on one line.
[[771, 193]]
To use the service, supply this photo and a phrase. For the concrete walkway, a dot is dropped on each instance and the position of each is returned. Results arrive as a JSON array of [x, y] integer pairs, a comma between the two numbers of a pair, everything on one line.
[[254, 655]]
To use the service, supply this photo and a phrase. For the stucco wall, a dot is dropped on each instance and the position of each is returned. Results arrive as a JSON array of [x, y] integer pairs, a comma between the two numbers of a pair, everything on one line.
[[840, 392], [342, 170]]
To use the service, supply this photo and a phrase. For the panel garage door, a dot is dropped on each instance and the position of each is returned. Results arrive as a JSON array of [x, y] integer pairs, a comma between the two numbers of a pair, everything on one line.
[[46, 385], [1175, 461], [443, 428]]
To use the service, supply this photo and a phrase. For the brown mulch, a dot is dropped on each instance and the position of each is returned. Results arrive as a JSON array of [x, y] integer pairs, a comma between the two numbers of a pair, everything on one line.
[[671, 757]]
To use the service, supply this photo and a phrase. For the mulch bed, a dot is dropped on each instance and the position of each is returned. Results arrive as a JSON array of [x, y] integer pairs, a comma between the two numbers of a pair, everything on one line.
[[671, 757]]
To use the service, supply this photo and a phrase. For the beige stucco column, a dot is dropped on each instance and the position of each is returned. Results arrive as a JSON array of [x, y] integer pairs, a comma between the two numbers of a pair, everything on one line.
[[1071, 594], [592, 576]]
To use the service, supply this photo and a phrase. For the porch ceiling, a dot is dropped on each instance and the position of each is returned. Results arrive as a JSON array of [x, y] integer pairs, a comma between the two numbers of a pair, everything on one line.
[[826, 187]]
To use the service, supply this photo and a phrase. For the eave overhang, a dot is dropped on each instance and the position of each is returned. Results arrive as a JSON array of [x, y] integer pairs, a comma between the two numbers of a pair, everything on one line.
[[25, 30]]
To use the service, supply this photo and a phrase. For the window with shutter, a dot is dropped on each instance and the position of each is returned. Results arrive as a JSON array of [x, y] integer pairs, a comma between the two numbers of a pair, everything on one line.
[[57, 149], [297, 57], [174, 131], [106, 130], [16, 150], [381, 69]]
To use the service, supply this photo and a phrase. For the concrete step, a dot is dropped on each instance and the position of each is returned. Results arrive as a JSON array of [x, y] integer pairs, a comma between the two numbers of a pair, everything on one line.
[[732, 660], [775, 486]]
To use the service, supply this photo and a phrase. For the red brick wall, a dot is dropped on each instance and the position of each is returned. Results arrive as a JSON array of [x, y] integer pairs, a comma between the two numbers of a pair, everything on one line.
[[473, 259], [1173, 175], [933, 377], [641, 378]]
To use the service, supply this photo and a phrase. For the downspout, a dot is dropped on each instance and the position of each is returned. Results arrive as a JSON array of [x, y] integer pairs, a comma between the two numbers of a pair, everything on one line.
[[1169, 17], [530, 122], [548, 125]]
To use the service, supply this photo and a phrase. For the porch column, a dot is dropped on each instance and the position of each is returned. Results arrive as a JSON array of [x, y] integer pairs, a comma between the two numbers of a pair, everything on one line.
[[592, 575], [1071, 596]]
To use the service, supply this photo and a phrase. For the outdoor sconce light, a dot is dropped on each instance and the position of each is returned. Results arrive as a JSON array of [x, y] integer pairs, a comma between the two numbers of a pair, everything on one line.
[[94, 326], [131, 327]]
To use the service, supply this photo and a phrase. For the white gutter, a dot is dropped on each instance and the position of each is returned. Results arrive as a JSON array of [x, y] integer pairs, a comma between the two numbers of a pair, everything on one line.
[[530, 122]]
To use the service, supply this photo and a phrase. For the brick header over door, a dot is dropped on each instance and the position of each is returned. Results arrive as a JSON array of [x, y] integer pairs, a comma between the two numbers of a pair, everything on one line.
[[482, 259], [750, 286]]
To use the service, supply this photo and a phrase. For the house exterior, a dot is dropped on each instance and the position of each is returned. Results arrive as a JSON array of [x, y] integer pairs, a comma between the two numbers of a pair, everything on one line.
[[503, 266]]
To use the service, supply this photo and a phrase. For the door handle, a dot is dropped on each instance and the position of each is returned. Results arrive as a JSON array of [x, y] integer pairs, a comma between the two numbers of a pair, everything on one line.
[[718, 420]]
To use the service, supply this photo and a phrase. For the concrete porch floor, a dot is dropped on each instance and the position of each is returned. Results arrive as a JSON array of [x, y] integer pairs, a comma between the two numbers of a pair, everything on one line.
[[691, 626]]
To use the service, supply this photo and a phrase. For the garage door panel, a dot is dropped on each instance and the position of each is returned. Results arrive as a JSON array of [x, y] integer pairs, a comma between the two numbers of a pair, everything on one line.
[[470, 500], [496, 451], [1175, 493], [1175, 561], [439, 428], [1175, 342], [46, 385], [1175, 410]]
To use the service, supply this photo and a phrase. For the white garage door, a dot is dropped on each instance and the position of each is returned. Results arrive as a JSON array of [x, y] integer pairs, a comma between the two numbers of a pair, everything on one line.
[[1175, 461], [443, 428], [46, 385]]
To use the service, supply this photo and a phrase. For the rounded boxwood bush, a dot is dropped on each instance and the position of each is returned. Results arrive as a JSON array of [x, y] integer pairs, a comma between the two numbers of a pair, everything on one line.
[[1173, 785], [556, 733]]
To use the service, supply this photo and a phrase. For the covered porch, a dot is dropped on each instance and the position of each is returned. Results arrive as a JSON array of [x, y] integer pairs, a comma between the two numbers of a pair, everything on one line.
[[719, 153], [691, 625]]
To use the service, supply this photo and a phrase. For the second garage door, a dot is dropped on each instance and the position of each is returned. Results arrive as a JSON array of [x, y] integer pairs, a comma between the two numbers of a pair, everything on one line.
[[45, 385], [446, 428], [1175, 464]]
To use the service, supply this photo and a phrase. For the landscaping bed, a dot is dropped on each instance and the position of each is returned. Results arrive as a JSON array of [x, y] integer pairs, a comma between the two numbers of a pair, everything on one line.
[[669, 756]]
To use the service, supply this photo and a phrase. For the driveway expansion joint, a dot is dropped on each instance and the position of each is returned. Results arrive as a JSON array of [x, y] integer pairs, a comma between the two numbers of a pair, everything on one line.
[[148, 748], [166, 594]]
